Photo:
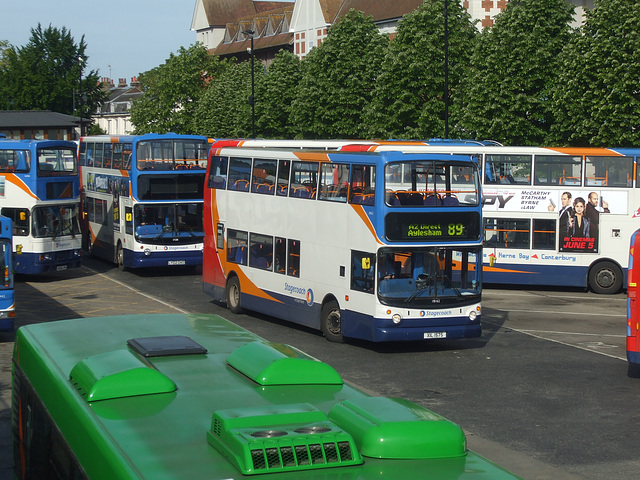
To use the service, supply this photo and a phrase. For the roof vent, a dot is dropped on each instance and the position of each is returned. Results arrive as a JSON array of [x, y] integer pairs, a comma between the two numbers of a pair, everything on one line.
[[117, 374], [394, 428], [278, 364], [165, 346], [280, 438]]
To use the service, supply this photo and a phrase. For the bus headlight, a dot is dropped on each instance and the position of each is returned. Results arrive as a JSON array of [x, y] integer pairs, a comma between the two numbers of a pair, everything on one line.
[[396, 318], [473, 314], [147, 251]]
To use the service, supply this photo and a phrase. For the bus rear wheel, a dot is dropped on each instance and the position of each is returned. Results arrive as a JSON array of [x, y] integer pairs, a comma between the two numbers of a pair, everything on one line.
[[120, 258], [605, 278], [331, 322], [232, 294]]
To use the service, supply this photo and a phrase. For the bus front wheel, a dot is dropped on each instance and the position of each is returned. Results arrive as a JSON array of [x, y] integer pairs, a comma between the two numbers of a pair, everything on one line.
[[331, 322], [605, 278], [120, 258], [233, 295]]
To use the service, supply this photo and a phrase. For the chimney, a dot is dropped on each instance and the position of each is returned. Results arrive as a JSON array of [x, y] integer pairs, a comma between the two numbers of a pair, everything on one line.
[[122, 82], [135, 82]]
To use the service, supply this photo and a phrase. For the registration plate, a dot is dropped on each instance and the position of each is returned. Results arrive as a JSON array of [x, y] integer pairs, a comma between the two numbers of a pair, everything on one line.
[[61, 267], [435, 335], [176, 262]]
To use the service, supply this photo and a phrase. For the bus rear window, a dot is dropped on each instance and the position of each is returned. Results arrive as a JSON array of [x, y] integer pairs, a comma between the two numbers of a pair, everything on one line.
[[57, 161]]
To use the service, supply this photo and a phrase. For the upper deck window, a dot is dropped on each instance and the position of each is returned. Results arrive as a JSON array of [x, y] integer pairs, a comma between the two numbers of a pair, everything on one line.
[[608, 171], [15, 161], [558, 170], [55, 161], [172, 154], [507, 169], [431, 183]]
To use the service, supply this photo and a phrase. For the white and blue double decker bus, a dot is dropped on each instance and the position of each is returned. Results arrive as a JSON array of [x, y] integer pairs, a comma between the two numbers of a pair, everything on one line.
[[379, 246], [142, 198], [39, 192], [7, 295]]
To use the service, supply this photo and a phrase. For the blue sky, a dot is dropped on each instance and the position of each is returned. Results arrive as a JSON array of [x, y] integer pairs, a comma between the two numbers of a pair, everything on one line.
[[124, 38]]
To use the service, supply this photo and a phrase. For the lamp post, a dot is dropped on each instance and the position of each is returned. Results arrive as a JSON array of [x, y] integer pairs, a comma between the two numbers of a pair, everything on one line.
[[252, 98], [446, 69]]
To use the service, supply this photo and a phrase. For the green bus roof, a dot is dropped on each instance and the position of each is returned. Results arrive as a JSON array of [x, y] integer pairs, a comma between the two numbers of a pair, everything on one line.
[[195, 397]]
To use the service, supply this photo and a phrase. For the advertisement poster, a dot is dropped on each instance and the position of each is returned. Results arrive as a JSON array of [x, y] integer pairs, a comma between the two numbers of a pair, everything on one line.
[[578, 211]]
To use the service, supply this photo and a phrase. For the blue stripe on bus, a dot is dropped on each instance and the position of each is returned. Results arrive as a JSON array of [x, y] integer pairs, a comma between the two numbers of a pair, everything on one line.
[[529, 274]]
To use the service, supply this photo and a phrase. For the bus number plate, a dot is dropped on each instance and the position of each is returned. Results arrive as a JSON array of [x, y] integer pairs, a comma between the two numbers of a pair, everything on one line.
[[435, 335], [59, 268], [176, 262]]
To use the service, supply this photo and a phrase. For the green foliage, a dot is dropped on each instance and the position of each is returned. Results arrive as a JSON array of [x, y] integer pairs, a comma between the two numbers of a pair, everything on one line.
[[275, 96], [597, 97], [224, 110], [514, 69], [45, 74], [172, 91], [338, 79], [409, 96]]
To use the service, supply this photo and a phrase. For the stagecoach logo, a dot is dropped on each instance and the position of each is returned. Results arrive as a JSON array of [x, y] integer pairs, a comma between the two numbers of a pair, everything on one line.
[[310, 297]]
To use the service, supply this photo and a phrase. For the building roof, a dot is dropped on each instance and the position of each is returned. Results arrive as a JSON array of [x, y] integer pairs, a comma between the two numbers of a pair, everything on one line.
[[222, 12], [380, 10], [36, 118]]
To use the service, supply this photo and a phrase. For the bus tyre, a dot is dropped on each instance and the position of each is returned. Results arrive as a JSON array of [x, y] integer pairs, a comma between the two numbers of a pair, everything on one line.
[[331, 322], [120, 258], [233, 295], [605, 277]]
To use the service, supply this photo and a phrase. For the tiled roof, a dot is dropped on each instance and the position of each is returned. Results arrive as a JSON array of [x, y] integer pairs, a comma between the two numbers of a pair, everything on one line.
[[35, 118], [222, 12], [380, 9]]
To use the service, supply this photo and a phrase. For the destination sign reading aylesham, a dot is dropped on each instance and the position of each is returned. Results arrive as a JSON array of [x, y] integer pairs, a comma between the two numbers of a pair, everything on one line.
[[432, 227]]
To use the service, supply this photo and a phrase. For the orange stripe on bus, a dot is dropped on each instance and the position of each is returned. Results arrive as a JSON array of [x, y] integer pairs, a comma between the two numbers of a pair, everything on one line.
[[585, 151], [365, 218], [20, 184]]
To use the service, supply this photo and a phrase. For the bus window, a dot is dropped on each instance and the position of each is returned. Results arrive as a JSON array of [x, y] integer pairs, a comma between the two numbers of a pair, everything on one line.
[[237, 246], [107, 156], [558, 170], [363, 182], [608, 171], [334, 182], [239, 174], [20, 219], [218, 173], [507, 233], [261, 251], [284, 168], [362, 268], [98, 154], [263, 176], [280, 255], [507, 169], [544, 234], [293, 259], [304, 180], [56, 161], [117, 156]]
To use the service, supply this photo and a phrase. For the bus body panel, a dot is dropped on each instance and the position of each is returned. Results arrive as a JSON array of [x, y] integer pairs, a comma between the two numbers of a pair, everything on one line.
[[633, 307], [133, 433], [328, 234], [40, 192], [7, 293]]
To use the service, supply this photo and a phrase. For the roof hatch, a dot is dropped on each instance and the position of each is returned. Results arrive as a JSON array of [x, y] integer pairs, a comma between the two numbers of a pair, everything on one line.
[[278, 364], [280, 438], [117, 374]]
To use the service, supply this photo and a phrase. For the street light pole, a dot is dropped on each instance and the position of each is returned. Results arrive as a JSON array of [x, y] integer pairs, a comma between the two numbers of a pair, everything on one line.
[[252, 98], [446, 69]]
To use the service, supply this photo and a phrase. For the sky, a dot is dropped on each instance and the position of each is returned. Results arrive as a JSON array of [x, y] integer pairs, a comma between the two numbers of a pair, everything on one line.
[[124, 38]]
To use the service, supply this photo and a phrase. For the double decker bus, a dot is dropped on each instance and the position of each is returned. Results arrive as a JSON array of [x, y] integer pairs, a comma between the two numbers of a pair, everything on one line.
[[7, 303], [142, 198], [197, 397], [377, 246], [633, 306], [39, 192], [553, 216]]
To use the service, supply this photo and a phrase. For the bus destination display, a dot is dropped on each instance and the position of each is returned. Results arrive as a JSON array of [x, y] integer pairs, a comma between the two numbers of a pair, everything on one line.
[[432, 227]]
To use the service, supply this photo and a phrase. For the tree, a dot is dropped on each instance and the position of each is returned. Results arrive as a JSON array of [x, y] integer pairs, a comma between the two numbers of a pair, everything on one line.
[[338, 79], [224, 110], [515, 66], [409, 97], [275, 96], [46, 73], [597, 98], [172, 91]]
